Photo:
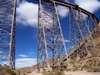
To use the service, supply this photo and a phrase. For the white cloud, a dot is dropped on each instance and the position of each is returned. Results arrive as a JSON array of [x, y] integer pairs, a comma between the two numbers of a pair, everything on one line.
[[1, 52], [27, 13], [23, 56], [3, 62], [67, 41], [89, 5], [63, 11], [25, 62], [2, 56]]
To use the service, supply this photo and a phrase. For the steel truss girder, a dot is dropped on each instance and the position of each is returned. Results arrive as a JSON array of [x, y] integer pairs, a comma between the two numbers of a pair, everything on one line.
[[51, 34]]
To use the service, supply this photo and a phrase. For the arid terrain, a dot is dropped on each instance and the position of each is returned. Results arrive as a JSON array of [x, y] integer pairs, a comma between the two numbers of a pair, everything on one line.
[[82, 73], [71, 73]]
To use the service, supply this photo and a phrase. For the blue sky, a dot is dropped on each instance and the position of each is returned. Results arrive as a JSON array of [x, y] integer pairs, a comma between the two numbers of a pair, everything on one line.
[[26, 24]]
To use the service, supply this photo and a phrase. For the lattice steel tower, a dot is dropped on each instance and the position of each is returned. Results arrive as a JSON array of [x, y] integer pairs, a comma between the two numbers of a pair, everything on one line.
[[50, 37], [7, 31], [51, 43]]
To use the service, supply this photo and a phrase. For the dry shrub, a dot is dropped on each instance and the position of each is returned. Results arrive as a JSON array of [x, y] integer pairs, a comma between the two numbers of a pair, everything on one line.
[[55, 72]]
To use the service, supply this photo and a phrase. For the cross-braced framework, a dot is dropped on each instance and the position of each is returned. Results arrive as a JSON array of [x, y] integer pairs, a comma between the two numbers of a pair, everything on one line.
[[51, 41], [7, 32], [52, 49], [50, 37]]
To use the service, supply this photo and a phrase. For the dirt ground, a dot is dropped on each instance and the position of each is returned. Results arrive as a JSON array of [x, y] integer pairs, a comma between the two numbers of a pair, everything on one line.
[[35, 73], [71, 73], [82, 73]]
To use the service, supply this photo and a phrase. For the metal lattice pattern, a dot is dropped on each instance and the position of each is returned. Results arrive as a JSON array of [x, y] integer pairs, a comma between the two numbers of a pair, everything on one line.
[[7, 30], [51, 44], [51, 40], [49, 34]]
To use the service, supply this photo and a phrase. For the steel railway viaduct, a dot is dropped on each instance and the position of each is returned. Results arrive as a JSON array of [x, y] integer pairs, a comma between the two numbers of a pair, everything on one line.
[[51, 50]]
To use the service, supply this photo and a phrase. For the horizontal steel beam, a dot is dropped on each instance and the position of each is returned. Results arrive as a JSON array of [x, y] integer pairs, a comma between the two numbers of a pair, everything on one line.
[[76, 7]]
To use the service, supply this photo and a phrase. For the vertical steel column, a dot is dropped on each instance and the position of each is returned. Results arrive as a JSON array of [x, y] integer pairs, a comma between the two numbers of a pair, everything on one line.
[[42, 55], [7, 31], [50, 37], [11, 60]]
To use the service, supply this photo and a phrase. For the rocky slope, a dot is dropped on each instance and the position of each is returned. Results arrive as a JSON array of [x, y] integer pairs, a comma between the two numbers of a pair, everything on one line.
[[85, 59]]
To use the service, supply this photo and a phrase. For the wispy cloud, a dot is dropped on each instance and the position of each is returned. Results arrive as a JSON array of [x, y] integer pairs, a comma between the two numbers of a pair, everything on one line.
[[67, 41], [1, 52], [2, 56], [63, 11], [25, 62], [89, 5], [27, 13], [23, 56]]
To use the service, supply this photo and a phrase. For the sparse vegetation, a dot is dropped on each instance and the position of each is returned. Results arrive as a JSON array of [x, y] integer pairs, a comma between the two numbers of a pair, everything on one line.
[[55, 72], [5, 70], [92, 65]]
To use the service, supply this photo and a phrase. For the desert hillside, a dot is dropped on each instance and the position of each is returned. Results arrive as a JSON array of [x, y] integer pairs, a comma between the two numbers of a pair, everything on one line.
[[86, 56]]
